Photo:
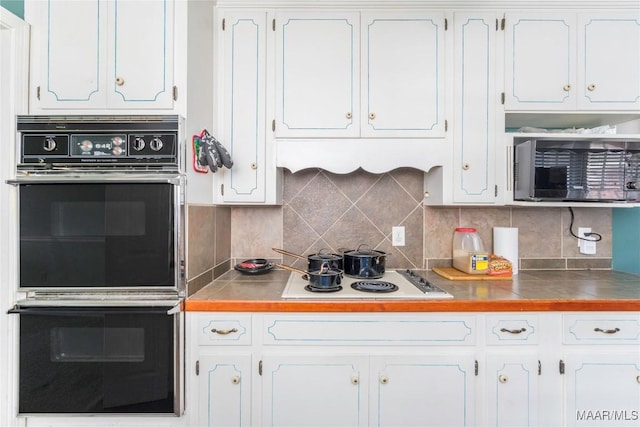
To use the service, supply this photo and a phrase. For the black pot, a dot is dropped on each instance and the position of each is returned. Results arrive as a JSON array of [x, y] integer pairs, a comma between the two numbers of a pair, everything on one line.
[[324, 278], [317, 261], [364, 263]]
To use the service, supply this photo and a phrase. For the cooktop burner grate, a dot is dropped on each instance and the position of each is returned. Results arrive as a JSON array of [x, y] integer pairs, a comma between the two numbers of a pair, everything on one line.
[[374, 286], [320, 289]]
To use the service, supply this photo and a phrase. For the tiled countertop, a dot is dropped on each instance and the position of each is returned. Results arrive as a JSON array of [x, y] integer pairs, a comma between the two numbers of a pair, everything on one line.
[[581, 290]]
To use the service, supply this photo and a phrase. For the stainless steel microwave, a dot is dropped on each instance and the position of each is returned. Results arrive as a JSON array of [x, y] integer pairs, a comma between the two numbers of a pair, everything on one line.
[[595, 168]]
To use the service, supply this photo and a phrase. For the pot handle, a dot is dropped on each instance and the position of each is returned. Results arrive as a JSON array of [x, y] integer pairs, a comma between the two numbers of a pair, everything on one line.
[[367, 248], [295, 270], [283, 252]]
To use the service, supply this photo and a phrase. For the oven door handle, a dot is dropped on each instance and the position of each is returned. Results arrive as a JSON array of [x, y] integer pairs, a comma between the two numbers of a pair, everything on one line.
[[83, 179], [91, 311]]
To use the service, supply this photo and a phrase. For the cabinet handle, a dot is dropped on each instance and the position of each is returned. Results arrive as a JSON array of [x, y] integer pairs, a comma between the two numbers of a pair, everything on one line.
[[384, 379], [119, 81], [372, 116], [348, 115], [503, 378], [566, 88], [638, 379], [235, 379], [591, 87], [254, 165], [224, 331], [355, 380], [514, 331], [607, 331], [466, 166]]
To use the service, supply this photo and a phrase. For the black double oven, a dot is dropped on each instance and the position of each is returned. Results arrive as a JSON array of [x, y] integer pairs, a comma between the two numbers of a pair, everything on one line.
[[100, 204]]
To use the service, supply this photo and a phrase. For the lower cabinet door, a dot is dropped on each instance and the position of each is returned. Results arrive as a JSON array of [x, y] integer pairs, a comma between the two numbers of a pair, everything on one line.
[[423, 390], [512, 389], [310, 390], [224, 391], [602, 389]]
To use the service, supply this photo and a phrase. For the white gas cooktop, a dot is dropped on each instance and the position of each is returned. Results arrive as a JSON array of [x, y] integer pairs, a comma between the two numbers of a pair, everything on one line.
[[409, 286]]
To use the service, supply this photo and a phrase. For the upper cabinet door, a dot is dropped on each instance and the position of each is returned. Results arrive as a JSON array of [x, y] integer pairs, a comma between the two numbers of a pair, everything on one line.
[[93, 54], [540, 57], [317, 66], [69, 45], [140, 55], [243, 110], [402, 81], [609, 62]]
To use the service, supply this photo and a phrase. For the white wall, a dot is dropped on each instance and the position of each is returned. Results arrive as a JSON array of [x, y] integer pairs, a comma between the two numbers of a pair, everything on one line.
[[14, 48]]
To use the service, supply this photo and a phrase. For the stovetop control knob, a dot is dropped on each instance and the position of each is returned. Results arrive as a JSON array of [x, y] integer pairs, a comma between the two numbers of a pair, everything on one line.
[[49, 144], [156, 144], [138, 143]]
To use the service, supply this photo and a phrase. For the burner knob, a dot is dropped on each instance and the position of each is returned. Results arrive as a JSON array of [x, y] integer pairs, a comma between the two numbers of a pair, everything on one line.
[[138, 143], [49, 144], [156, 144]]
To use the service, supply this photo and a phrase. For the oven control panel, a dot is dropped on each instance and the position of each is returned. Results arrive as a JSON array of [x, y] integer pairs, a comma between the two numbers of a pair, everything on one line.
[[95, 148], [69, 142]]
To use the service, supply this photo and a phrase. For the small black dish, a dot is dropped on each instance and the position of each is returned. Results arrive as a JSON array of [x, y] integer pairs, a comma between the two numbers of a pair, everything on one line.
[[254, 266]]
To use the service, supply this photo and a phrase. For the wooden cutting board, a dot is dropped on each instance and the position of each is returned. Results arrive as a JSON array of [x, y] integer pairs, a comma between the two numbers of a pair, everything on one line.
[[455, 274]]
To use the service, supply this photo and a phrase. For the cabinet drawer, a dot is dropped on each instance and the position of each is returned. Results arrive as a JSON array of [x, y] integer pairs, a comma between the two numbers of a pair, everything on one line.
[[613, 328], [221, 330], [512, 330], [311, 330]]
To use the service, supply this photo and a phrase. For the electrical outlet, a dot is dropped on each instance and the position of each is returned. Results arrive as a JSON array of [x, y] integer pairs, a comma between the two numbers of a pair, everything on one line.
[[397, 236], [587, 247]]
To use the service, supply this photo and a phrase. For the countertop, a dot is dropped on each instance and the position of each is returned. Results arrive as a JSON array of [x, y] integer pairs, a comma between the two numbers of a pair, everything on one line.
[[565, 290]]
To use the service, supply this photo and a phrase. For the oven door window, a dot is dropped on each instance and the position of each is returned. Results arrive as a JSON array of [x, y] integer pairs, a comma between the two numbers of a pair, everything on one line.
[[95, 362], [97, 235]]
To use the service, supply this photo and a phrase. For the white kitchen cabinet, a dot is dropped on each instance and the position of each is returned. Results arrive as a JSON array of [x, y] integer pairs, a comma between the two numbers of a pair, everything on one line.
[[470, 174], [390, 370], [224, 390], [242, 46], [317, 74], [572, 61], [96, 55], [476, 109], [325, 389], [350, 74], [513, 370], [601, 369], [423, 390], [219, 368]]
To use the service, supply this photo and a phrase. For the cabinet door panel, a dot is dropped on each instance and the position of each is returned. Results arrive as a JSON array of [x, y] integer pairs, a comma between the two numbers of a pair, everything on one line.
[[402, 79], [73, 47], [422, 390], [224, 390], [474, 126], [512, 389], [611, 62], [141, 44], [540, 57], [317, 63], [602, 389], [310, 390], [244, 106]]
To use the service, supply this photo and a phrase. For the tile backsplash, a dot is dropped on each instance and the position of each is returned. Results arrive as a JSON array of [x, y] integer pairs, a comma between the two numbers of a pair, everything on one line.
[[325, 210]]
